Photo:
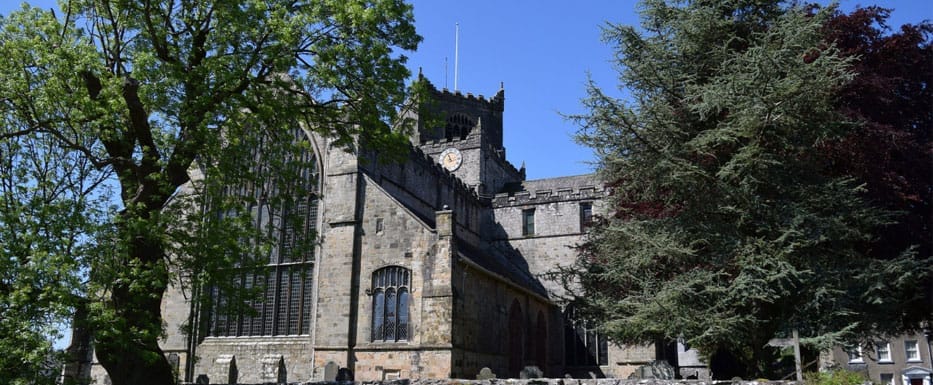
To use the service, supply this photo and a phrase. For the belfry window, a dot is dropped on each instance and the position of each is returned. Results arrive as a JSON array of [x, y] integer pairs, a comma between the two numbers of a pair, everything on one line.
[[458, 127], [391, 296]]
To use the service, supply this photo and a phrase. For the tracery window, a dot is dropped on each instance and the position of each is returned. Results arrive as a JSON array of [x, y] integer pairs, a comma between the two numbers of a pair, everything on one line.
[[287, 214], [583, 344], [391, 292]]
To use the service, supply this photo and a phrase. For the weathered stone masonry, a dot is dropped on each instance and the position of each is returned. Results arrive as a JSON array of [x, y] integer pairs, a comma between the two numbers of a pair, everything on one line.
[[474, 295]]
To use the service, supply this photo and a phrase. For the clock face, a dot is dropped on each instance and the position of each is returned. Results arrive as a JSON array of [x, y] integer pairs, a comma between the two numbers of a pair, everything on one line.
[[451, 159]]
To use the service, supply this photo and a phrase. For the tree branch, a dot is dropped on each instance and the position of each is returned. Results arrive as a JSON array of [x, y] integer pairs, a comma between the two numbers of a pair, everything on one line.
[[139, 123], [158, 42]]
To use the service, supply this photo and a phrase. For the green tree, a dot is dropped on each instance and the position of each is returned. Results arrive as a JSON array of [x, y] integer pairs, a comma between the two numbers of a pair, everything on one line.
[[44, 213], [109, 107], [727, 225]]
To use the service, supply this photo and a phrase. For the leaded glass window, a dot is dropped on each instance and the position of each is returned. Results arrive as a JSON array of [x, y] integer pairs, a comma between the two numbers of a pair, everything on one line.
[[283, 207], [584, 344], [391, 297]]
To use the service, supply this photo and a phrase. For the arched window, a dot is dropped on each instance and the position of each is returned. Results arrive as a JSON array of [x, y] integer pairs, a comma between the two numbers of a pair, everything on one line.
[[516, 334], [541, 337], [458, 126], [391, 296], [285, 209], [584, 345]]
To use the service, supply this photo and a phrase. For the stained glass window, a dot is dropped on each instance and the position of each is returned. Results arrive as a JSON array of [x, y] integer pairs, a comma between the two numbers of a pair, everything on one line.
[[390, 291]]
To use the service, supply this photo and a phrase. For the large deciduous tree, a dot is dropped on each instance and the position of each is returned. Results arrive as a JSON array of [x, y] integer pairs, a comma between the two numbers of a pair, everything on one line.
[[730, 222], [109, 105], [891, 149]]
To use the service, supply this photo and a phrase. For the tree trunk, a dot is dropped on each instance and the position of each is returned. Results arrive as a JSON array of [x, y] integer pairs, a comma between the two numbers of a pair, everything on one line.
[[129, 348]]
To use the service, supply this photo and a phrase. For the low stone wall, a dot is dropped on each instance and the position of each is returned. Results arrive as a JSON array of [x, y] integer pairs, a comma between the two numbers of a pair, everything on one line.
[[545, 381]]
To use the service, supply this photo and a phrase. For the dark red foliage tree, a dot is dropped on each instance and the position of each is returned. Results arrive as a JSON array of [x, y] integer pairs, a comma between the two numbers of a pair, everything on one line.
[[891, 151]]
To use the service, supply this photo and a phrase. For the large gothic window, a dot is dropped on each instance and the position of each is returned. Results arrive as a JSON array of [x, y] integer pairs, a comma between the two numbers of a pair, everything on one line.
[[286, 215], [583, 344], [391, 296]]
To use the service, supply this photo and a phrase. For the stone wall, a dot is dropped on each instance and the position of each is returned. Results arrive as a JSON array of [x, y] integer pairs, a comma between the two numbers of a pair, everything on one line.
[[481, 327], [423, 186], [550, 381], [260, 359]]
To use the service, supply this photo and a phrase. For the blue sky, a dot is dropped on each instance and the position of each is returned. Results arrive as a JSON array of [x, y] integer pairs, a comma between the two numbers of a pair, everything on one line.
[[542, 51]]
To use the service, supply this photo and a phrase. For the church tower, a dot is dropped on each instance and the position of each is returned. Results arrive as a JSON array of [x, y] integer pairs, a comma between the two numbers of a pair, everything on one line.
[[464, 134]]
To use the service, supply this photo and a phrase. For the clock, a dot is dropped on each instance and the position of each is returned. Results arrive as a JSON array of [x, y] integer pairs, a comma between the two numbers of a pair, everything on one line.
[[451, 159]]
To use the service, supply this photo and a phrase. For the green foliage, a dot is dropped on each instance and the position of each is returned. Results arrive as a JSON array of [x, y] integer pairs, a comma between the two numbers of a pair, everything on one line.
[[112, 110], [727, 228], [835, 377], [47, 212]]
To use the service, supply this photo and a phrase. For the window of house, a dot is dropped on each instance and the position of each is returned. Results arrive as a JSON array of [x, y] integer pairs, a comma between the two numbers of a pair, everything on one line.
[[583, 344], [391, 297], [586, 215], [855, 354], [887, 378], [884, 351], [286, 213], [911, 350], [528, 222]]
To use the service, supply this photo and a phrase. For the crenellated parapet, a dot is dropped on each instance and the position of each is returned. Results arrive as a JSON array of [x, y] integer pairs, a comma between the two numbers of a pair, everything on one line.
[[439, 144], [584, 187], [445, 114], [424, 187], [441, 174], [499, 155], [496, 102]]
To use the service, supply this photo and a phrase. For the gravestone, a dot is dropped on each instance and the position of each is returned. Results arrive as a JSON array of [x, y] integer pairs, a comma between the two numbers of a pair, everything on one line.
[[330, 371], [485, 374], [530, 372]]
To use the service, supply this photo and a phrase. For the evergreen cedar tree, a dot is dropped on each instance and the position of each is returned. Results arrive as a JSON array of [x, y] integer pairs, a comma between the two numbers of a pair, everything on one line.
[[771, 172], [106, 110]]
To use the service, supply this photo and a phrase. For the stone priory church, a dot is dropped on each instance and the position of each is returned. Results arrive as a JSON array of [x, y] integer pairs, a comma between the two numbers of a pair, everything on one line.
[[429, 268]]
